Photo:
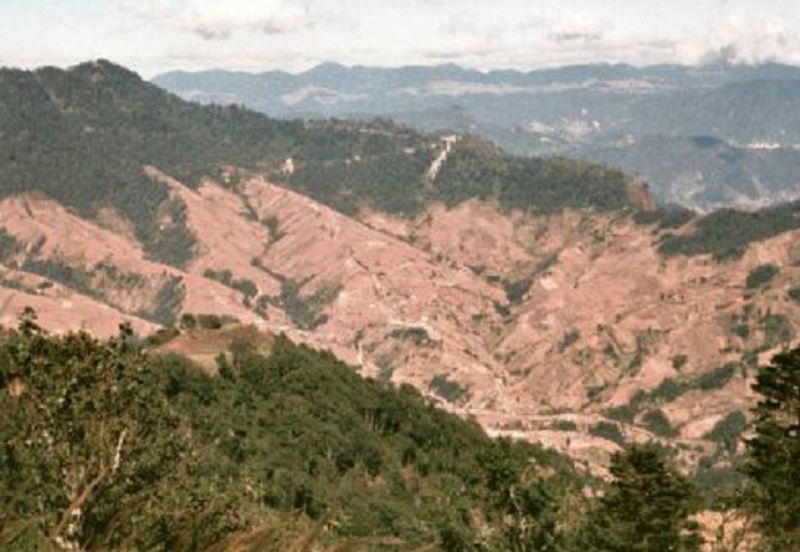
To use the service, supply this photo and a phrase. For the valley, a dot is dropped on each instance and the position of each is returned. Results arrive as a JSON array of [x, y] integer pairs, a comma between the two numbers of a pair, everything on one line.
[[577, 328]]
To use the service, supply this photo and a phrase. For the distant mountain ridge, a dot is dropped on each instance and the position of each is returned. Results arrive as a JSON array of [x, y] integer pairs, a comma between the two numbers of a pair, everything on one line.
[[603, 113]]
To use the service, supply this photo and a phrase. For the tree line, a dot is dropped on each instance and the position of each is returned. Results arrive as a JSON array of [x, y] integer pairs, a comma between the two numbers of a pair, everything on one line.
[[104, 445]]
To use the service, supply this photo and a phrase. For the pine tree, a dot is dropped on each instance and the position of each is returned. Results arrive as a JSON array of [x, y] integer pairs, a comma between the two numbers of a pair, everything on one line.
[[646, 508], [774, 453]]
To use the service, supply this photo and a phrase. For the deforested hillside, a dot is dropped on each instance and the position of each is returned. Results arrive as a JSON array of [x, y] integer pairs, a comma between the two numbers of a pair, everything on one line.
[[82, 137], [544, 298]]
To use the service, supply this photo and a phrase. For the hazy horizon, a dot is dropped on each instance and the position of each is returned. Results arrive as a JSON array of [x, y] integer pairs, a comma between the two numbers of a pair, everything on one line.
[[153, 36]]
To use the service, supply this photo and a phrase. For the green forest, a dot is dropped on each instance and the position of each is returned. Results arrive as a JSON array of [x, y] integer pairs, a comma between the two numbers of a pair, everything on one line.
[[725, 234], [107, 446]]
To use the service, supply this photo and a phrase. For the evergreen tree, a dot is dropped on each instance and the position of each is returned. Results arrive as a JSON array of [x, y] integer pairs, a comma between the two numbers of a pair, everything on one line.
[[645, 509], [774, 463]]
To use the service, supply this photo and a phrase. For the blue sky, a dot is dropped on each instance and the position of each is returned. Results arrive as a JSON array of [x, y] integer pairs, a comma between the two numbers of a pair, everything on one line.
[[156, 35]]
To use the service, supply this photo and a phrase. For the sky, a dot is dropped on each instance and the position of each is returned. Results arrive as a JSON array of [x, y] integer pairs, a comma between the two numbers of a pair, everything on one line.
[[152, 36]]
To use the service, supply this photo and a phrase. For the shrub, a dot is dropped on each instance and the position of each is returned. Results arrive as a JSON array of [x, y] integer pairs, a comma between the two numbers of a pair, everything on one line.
[[608, 431], [669, 390], [716, 378], [761, 276], [657, 422], [777, 329], [743, 331], [305, 312], [167, 303], [728, 430], [679, 362], [417, 335], [8, 245], [570, 338], [565, 425], [627, 412], [516, 291], [188, 321]]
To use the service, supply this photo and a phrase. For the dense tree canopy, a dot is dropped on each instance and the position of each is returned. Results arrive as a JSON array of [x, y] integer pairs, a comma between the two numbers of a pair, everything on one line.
[[774, 453], [105, 446]]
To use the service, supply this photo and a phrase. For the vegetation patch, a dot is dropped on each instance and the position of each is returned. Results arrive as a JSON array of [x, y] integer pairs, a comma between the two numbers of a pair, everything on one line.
[[716, 378], [246, 287], [168, 302], [386, 368], [761, 275], [725, 234], [417, 335], [679, 362], [728, 431], [608, 431], [517, 290], [565, 425], [777, 330], [475, 169], [171, 243], [190, 321], [59, 269], [665, 218], [742, 330], [449, 390], [274, 226], [627, 412], [119, 278], [657, 422], [569, 339], [669, 390], [305, 312], [8, 245], [718, 481], [162, 336]]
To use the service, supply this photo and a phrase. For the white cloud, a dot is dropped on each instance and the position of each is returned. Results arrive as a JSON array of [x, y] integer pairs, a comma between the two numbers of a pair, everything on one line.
[[216, 20], [545, 39], [746, 37], [578, 28], [295, 34]]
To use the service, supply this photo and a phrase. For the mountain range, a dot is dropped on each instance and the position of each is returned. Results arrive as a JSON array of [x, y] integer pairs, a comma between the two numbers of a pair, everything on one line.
[[548, 299], [726, 135]]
